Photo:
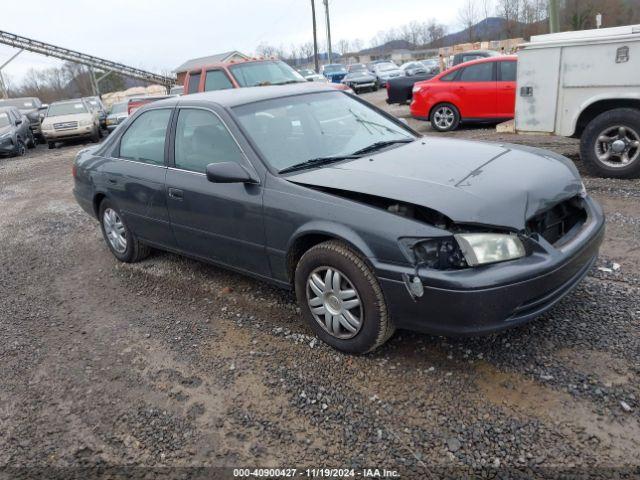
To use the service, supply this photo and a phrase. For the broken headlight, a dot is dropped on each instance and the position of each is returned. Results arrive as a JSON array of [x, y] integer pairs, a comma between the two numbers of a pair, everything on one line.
[[439, 253], [483, 248]]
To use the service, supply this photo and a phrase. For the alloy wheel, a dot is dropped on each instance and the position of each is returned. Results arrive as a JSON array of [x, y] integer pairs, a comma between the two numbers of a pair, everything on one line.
[[334, 302], [115, 230], [444, 117], [617, 146]]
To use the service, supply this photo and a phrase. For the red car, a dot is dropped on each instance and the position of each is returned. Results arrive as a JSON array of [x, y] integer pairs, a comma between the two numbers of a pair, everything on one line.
[[477, 91], [243, 73]]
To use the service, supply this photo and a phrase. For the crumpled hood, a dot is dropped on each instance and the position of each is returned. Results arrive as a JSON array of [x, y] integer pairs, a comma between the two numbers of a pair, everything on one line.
[[499, 185]]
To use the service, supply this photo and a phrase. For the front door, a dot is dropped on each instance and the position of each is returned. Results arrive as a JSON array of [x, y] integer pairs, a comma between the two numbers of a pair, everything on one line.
[[476, 87], [506, 88], [222, 222]]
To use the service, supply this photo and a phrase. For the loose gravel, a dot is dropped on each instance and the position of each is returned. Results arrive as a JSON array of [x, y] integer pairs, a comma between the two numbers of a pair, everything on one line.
[[173, 363]]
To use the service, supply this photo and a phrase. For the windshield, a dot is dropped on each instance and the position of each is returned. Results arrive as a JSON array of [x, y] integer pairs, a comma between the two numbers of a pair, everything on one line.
[[20, 103], [334, 68], [119, 107], [291, 130], [253, 74], [67, 108], [4, 120], [430, 63]]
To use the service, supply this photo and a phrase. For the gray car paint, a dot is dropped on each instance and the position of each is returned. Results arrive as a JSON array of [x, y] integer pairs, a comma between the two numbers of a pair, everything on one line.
[[253, 228]]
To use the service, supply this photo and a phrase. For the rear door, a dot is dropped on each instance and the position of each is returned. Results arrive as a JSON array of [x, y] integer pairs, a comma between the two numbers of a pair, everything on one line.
[[506, 88], [476, 88], [222, 222], [135, 178]]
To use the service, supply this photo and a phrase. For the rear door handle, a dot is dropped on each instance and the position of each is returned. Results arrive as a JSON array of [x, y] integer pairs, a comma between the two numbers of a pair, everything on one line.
[[176, 193]]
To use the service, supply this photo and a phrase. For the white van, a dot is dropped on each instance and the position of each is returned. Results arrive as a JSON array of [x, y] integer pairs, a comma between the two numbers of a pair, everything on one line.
[[585, 84]]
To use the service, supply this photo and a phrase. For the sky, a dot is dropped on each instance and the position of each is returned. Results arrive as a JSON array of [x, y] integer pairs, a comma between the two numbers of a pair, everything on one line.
[[160, 35]]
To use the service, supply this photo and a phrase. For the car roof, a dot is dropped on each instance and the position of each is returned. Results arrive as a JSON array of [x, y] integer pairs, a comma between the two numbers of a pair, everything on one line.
[[497, 58], [234, 97], [71, 100]]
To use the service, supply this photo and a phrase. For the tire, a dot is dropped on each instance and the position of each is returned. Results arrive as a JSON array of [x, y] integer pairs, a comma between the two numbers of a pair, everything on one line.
[[133, 250], [622, 127], [51, 145], [355, 276], [21, 149], [31, 140], [95, 136], [451, 117]]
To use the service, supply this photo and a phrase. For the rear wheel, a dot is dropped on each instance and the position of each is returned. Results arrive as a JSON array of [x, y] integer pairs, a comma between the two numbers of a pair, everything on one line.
[[31, 140], [51, 145], [121, 241], [95, 135], [610, 145], [444, 117], [341, 299]]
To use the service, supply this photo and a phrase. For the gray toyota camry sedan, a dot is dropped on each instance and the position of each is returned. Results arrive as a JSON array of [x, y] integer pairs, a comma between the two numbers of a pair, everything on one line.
[[373, 226]]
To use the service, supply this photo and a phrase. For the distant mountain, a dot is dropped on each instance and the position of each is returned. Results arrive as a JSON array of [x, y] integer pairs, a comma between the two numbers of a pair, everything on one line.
[[492, 28]]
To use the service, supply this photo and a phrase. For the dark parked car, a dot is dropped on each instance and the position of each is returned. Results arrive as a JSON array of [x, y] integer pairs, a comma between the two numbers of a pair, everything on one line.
[[360, 81], [32, 108], [313, 189], [118, 113], [400, 89], [463, 57], [15, 134], [96, 105]]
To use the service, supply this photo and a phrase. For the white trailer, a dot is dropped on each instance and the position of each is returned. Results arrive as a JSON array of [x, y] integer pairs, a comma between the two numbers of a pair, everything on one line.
[[585, 84]]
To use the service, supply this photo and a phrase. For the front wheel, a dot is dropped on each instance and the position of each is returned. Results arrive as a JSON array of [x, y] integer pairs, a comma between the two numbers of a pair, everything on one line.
[[31, 140], [610, 144], [341, 299], [95, 135], [444, 117], [121, 241], [21, 149]]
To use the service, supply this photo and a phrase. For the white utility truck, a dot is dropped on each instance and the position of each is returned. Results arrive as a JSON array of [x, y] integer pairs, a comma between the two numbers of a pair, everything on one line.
[[585, 84]]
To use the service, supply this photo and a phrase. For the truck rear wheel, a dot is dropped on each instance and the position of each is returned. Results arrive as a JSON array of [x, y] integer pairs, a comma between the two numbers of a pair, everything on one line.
[[610, 145]]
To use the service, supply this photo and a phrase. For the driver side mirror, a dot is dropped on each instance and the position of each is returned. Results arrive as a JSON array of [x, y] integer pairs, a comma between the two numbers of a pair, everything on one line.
[[229, 172], [18, 122]]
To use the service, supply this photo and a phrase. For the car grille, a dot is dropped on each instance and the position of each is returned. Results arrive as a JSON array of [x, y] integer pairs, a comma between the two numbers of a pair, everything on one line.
[[65, 125], [556, 224]]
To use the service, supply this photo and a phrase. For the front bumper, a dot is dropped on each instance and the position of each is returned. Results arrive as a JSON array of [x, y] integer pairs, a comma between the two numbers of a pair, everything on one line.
[[68, 134], [494, 297]]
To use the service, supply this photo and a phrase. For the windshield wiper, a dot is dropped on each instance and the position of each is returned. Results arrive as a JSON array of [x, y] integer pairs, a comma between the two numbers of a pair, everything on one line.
[[287, 82], [379, 145], [314, 162]]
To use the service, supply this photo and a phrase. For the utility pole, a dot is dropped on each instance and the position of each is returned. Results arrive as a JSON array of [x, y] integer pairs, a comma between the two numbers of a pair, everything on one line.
[[554, 21], [326, 8], [315, 36]]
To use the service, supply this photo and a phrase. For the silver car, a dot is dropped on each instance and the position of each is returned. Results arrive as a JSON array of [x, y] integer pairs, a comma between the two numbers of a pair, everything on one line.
[[386, 71]]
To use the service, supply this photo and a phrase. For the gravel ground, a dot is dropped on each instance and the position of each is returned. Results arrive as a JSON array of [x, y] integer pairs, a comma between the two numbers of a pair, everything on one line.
[[173, 363]]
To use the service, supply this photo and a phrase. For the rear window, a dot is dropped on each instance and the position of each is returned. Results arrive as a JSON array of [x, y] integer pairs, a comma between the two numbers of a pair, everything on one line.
[[194, 83], [508, 71], [481, 72], [216, 80]]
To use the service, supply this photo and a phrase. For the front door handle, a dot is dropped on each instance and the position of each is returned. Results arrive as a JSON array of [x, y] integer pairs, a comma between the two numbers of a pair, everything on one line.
[[176, 193]]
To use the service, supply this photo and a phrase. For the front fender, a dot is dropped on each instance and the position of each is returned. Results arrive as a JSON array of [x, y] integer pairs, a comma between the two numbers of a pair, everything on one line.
[[331, 229]]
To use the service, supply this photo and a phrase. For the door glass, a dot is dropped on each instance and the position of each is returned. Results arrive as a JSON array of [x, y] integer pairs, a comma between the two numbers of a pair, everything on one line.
[[144, 139], [481, 72], [201, 139], [508, 71], [194, 82], [449, 77], [216, 80]]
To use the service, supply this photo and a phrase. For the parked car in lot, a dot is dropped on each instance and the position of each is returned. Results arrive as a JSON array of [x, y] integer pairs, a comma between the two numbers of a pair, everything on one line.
[[15, 134], [70, 120], [413, 68], [32, 107], [478, 91], [248, 73], [96, 104], [400, 89], [311, 76], [334, 72], [360, 81], [135, 103], [373, 227], [118, 113], [386, 71], [463, 57], [432, 65], [585, 84]]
